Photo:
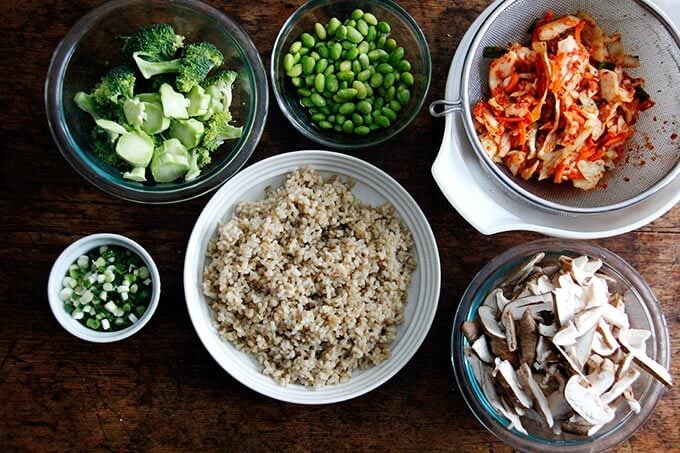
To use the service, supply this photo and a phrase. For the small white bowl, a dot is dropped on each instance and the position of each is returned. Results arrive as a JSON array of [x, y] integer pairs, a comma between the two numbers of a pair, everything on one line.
[[68, 257]]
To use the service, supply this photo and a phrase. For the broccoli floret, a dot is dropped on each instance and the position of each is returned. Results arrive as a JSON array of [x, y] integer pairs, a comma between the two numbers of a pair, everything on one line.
[[104, 148], [218, 130], [198, 158], [191, 69], [157, 42], [86, 103], [219, 87], [114, 88]]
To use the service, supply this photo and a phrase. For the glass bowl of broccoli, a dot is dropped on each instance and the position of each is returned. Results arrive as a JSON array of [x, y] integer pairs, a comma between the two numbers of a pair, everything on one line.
[[155, 101]]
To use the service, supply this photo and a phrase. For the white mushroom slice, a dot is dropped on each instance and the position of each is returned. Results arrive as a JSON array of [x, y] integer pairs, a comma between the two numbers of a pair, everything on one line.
[[572, 363], [566, 304], [490, 299], [539, 302], [577, 425], [478, 368], [637, 338], [624, 365], [583, 346], [620, 386], [489, 391], [633, 404], [471, 331], [599, 346], [541, 286], [567, 335], [487, 316], [594, 362], [523, 272], [586, 403], [615, 317], [499, 348], [481, 348], [547, 330], [603, 378], [551, 270], [578, 268], [587, 319], [510, 332], [596, 293], [543, 352], [507, 377], [607, 334], [652, 367], [501, 300], [528, 381], [514, 419]]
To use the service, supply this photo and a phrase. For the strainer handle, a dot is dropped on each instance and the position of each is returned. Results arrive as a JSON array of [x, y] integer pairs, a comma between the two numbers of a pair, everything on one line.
[[448, 107]]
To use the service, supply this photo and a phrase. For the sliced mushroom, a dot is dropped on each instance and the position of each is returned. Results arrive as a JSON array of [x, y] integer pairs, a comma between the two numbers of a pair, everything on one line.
[[572, 363], [655, 369], [633, 404], [534, 303], [600, 347], [567, 335], [528, 381], [624, 365], [636, 338], [547, 330], [471, 331], [587, 319], [510, 332], [499, 348], [603, 378], [586, 403], [528, 338], [596, 293], [620, 386], [524, 271], [515, 421], [583, 346], [594, 362], [615, 317], [577, 425], [481, 348], [490, 299], [566, 305], [558, 405], [487, 316], [501, 300], [507, 377]]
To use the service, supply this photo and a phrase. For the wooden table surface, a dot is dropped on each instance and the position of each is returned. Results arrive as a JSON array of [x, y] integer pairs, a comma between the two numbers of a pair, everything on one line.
[[160, 389]]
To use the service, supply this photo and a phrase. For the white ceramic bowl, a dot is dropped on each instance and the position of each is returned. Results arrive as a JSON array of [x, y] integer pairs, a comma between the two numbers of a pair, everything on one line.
[[68, 257], [372, 186]]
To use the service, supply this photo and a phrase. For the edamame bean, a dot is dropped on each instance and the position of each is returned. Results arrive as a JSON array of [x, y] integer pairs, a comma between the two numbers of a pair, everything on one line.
[[370, 19], [329, 70], [363, 47], [396, 56], [364, 107], [345, 66], [383, 27], [325, 125], [356, 66], [297, 82], [403, 96], [364, 75], [361, 89], [308, 64], [354, 36], [347, 93], [395, 105], [347, 108], [337, 128], [388, 80], [357, 14], [320, 82], [295, 71], [348, 126], [307, 102], [295, 47], [321, 66], [345, 76], [376, 80], [368, 119], [341, 32], [407, 78], [390, 93], [350, 23], [307, 40], [364, 61], [378, 103], [389, 113], [376, 55], [318, 100], [318, 117], [384, 68], [382, 121], [288, 62], [371, 35], [332, 26], [357, 119], [404, 66], [320, 31], [322, 48], [309, 80], [335, 50], [362, 27], [390, 45], [340, 118], [332, 83], [362, 130], [304, 92], [352, 53], [380, 42]]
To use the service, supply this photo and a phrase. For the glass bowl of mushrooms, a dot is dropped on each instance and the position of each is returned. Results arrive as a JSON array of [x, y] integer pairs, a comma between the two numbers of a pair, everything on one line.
[[560, 344]]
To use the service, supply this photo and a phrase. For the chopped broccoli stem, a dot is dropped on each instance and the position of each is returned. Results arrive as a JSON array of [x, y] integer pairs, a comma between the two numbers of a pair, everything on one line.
[[174, 104]]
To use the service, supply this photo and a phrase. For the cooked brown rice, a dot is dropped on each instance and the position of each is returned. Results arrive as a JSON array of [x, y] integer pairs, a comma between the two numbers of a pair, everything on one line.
[[309, 280]]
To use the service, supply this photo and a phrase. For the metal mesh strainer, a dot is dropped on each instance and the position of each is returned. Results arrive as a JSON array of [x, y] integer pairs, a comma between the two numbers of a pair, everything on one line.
[[652, 156]]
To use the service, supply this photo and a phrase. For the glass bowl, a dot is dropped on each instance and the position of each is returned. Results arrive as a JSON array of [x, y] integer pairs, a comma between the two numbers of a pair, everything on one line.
[[60, 270], [643, 310], [404, 30], [92, 44]]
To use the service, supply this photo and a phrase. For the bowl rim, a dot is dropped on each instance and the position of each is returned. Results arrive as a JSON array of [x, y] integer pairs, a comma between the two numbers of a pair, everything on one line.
[[318, 135], [68, 256], [53, 93], [605, 440]]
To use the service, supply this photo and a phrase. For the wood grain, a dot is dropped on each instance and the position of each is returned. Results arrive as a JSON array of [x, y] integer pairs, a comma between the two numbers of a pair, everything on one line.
[[160, 390]]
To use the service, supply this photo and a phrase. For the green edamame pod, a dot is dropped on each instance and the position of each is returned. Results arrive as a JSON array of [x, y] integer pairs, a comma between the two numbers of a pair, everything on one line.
[[347, 108], [307, 40], [347, 94], [370, 19], [321, 66], [296, 71], [389, 113], [356, 14], [318, 117], [325, 125], [332, 83], [308, 64], [335, 51], [362, 27], [403, 96], [407, 78], [404, 66], [348, 126], [388, 80], [376, 80], [382, 121], [364, 107]]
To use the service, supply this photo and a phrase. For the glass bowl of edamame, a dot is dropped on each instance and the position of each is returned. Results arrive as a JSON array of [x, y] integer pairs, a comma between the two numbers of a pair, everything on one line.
[[350, 74]]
